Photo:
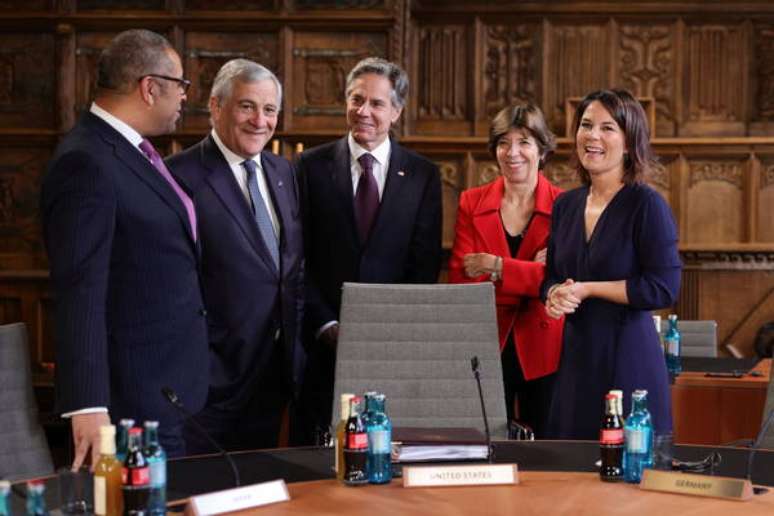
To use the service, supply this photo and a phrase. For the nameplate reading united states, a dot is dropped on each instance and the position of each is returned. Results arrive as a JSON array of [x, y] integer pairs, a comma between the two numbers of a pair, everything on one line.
[[696, 485], [240, 498], [460, 475]]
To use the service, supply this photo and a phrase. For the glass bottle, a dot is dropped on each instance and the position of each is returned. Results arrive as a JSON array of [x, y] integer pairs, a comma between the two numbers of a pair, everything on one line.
[[379, 430], [672, 345], [618, 393], [638, 433], [5, 489], [36, 501], [136, 476], [122, 438], [368, 408], [157, 462], [356, 450], [611, 442], [108, 500], [341, 431], [657, 324]]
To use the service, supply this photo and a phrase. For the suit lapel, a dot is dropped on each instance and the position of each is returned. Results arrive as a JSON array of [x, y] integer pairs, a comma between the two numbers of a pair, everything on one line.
[[397, 176], [221, 180], [536, 237], [486, 219], [341, 175], [143, 169]]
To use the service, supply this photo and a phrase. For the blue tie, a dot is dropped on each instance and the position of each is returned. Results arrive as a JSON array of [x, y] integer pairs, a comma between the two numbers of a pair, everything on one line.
[[260, 211]]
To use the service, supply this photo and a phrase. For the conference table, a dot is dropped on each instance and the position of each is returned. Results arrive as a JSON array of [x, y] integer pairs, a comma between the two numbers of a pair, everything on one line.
[[557, 477]]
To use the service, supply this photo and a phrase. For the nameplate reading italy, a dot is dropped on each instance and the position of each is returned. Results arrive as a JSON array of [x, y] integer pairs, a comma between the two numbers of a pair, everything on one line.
[[240, 498], [460, 475], [696, 485]]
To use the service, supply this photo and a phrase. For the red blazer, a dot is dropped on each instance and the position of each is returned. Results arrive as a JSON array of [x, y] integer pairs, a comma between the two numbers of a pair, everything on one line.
[[480, 230]]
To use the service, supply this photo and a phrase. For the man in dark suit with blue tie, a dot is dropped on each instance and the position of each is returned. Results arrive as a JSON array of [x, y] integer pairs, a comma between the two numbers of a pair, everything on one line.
[[252, 255], [372, 214], [121, 238]]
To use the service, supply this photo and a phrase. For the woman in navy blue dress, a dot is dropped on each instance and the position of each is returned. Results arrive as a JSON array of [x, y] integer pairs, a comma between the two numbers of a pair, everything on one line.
[[612, 258]]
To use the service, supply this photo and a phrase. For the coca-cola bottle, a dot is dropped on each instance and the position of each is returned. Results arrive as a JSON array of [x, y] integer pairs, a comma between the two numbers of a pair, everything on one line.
[[135, 476], [611, 442]]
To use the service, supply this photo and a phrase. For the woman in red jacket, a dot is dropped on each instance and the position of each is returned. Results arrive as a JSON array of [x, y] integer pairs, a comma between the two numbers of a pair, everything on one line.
[[501, 236]]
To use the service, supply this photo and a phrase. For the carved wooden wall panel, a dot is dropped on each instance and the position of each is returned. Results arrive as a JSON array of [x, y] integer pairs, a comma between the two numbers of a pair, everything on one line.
[[714, 209], [341, 4], [88, 47], [766, 200], [452, 170], [560, 172], [511, 71], [120, 5], [577, 62], [441, 81], [26, 85], [230, 5], [716, 80], [206, 52], [763, 81], [321, 62], [647, 66]]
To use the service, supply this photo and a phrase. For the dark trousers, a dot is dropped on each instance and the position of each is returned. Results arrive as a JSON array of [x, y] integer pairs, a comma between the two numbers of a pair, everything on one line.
[[252, 424], [526, 401]]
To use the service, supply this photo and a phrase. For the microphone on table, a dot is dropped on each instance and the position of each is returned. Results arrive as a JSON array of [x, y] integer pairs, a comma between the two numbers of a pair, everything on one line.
[[754, 448], [474, 364], [172, 397]]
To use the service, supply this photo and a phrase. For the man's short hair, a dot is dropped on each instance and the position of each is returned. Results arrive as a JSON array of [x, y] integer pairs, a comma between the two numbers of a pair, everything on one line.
[[394, 73], [242, 70], [130, 56]]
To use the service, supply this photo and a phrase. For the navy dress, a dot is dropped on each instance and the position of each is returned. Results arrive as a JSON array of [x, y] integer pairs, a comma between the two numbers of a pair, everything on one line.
[[609, 345]]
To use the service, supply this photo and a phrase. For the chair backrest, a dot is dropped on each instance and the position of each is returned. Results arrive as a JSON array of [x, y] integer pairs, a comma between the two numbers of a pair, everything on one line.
[[414, 343], [24, 451], [697, 338]]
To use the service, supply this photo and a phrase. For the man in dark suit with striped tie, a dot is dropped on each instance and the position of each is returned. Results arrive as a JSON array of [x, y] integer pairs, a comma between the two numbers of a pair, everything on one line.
[[121, 237], [372, 213], [252, 254]]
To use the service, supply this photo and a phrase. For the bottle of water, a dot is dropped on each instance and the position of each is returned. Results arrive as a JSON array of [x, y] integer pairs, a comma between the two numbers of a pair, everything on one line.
[[122, 438], [157, 463], [672, 345], [379, 429], [36, 501], [638, 433], [5, 488]]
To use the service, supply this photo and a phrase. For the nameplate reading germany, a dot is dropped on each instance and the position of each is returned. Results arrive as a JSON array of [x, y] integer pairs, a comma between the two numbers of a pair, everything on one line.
[[466, 475], [696, 485], [240, 498]]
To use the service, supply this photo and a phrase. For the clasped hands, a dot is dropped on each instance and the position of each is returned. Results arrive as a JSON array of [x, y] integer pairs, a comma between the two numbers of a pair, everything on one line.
[[564, 298]]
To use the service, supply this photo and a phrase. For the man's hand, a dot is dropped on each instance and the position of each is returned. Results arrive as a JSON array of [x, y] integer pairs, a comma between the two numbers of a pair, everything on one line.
[[86, 436], [330, 337]]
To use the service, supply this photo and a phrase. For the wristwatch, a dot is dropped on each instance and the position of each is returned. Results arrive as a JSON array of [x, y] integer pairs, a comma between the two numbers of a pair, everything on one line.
[[497, 274]]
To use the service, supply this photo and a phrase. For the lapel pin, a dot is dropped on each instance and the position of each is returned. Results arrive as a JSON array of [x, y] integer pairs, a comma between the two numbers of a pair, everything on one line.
[[401, 173], [279, 184]]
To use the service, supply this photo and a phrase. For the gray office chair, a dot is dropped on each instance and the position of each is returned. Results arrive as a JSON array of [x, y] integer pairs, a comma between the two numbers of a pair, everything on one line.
[[414, 343], [697, 338], [24, 451]]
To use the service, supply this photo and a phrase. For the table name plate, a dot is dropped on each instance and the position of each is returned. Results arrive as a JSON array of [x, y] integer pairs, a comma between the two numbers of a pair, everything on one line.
[[696, 485], [240, 498], [460, 475]]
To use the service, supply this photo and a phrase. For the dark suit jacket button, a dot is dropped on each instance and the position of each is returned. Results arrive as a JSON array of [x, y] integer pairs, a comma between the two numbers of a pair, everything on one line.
[[543, 324], [203, 312]]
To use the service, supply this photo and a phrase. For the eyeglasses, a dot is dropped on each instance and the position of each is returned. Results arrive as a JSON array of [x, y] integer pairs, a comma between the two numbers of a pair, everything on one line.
[[184, 84]]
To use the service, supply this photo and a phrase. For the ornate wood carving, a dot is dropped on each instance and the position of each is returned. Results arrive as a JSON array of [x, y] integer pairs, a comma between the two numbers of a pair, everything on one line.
[[728, 171], [339, 4], [715, 74], [88, 47], [765, 72], [118, 5], [578, 62], [321, 62], [486, 172], [443, 72], [231, 5], [559, 171], [451, 181], [510, 71], [767, 174], [728, 259], [27, 67], [646, 67], [206, 52]]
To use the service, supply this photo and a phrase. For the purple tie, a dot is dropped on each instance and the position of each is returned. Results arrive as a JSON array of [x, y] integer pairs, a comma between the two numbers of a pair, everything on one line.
[[147, 148], [366, 197]]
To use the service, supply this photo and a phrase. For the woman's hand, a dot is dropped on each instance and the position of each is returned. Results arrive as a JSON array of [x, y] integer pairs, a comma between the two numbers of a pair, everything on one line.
[[565, 298], [540, 257], [477, 264]]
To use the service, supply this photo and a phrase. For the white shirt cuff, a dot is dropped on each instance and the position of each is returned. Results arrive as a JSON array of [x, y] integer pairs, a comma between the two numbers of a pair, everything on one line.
[[90, 410], [324, 327]]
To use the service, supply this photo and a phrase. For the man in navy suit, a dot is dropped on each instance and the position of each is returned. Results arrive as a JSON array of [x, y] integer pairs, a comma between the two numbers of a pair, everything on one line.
[[372, 213], [252, 260], [121, 239]]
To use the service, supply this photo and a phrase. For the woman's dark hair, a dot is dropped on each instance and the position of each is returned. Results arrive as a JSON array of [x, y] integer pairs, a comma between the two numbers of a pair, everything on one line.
[[630, 117], [522, 116]]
